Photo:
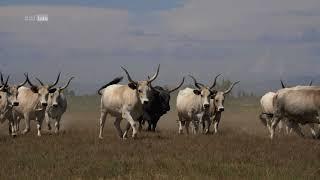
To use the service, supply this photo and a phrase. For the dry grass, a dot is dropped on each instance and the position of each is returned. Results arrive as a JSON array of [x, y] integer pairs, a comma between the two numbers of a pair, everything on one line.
[[241, 151]]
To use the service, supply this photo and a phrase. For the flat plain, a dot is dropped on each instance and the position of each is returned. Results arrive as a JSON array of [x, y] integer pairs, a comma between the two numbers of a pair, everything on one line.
[[241, 150]]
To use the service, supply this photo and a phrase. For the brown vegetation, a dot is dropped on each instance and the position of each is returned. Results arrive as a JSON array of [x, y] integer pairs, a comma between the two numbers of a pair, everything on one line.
[[242, 150]]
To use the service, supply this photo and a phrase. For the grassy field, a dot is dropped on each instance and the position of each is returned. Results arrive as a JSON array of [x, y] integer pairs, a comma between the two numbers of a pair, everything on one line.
[[242, 150]]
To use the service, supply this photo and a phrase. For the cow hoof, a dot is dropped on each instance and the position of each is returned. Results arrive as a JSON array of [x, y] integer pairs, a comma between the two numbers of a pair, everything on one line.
[[100, 137]]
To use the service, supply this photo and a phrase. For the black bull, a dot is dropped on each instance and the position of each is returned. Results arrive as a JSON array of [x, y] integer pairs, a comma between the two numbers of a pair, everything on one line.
[[159, 104]]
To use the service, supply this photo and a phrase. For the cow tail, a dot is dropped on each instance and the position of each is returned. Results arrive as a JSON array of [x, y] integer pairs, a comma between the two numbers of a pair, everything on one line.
[[114, 81]]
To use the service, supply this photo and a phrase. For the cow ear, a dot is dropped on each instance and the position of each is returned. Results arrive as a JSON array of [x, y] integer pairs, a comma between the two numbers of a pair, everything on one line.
[[196, 92], [213, 94], [34, 89], [52, 90], [132, 86]]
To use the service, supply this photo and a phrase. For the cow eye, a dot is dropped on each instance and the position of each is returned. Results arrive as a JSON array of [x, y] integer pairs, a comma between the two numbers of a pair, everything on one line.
[[0, 97], [139, 91], [216, 100]]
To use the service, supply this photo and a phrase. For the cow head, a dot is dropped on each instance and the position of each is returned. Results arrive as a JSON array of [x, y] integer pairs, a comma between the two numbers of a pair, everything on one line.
[[142, 88], [43, 90], [3, 102], [12, 91], [218, 99], [204, 92], [163, 96], [54, 97]]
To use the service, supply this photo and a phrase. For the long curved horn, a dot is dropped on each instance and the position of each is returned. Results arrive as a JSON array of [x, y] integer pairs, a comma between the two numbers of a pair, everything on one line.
[[230, 88], [153, 88], [155, 75], [198, 85], [67, 84], [282, 84], [55, 83], [128, 76], [215, 81], [2, 82], [22, 84], [6, 83], [41, 83], [310, 84], [28, 80], [170, 91]]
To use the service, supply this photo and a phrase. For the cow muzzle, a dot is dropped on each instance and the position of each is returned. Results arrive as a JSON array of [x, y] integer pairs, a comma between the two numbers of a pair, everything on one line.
[[15, 103], [55, 105], [44, 104], [221, 109], [206, 106]]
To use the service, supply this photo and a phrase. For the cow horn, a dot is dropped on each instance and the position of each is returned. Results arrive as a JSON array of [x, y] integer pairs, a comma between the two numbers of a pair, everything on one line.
[[282, 84], [67, 84], [215, 81], [153, 88], [155, 75], [28, 80], [51, 86], [22, 84], [128, 76], [230, 88], [310, 84], [41, 83], [6, 84], [170, 91], [2, 82], [198, 85]]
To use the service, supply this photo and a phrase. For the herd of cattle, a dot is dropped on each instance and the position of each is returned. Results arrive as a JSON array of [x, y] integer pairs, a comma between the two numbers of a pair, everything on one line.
[[138, 102], [294, 106]]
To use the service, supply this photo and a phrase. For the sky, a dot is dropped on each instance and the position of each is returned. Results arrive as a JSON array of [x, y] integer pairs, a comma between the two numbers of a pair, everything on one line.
[[254, 41]]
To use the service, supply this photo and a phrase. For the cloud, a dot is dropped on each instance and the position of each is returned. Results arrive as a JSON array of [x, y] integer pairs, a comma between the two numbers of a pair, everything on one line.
[[249, 40]]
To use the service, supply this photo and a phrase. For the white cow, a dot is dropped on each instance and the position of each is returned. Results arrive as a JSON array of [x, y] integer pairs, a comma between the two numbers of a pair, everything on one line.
[[301, 105], [192, 105], [57, 106], [216, 108], [11, 93], [124, 102], [32, 104]]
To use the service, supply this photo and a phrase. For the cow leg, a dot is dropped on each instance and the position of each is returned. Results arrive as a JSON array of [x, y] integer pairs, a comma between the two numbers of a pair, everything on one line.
[[154, 125], [10, 127], [187, 123], [181, 123], [126, 115], [39, 124], [125, 134], [57, 124], [48, 121], [280, 125], [27, 122], [102, 122], [147, 118], [195, 127], [117, 126], [313, 131], [296, 128], [274, 123], [216, 121]]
